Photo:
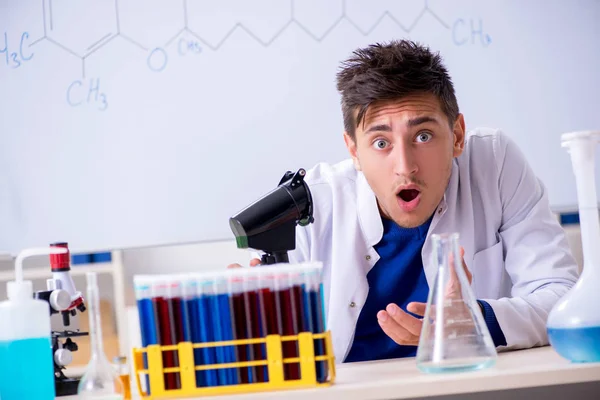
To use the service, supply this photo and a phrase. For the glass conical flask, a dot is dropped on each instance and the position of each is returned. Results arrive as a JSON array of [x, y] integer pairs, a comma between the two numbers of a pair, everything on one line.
[[454, 336], [100, 380], [574, 321]]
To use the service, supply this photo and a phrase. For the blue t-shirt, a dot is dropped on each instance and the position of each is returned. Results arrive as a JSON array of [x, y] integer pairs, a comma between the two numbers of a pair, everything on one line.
[[398, 277]]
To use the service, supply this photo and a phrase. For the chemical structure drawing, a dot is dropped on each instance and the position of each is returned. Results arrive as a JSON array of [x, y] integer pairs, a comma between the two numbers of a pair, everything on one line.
[[191, 27]]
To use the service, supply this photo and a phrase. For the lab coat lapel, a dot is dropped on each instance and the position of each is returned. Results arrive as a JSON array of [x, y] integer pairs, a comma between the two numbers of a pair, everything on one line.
[[444, 221], [349, 285]]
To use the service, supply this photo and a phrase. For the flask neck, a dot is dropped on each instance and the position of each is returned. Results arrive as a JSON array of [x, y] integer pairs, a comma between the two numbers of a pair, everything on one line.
[[96, 344], [590, 241], [583, 153]]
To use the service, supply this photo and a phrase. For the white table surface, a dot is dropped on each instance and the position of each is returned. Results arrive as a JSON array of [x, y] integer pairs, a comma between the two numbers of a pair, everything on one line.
[[399, 379]]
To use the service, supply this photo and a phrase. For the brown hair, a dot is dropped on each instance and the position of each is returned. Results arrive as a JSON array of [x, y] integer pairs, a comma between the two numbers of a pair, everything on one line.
[[391, 71]]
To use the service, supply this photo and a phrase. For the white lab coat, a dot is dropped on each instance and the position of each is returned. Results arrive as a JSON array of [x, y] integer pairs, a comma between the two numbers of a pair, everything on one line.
[[514, 246]]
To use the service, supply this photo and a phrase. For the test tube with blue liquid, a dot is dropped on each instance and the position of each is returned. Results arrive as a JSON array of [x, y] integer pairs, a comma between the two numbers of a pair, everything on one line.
[[313, 294], [206, 327], [190, 305], [147, 315], [223, 329]]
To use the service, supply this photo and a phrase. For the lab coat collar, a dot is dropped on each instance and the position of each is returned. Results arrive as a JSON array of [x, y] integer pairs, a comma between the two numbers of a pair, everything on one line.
[[451, 191], [368, 212]]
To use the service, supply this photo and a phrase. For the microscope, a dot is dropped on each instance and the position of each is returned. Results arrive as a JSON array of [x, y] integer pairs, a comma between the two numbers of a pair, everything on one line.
[[269, 224], [62, 298]]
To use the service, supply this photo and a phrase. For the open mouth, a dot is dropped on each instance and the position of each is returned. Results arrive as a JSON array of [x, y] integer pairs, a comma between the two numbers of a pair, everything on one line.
[[408, 195], [409, 199]]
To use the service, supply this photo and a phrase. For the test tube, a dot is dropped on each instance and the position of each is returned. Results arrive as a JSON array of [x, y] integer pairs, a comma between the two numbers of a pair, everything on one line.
[[148, 323], [205, 325], [287, 320], [190, 302], [306, 301], [261, 312], [176, 308], [166, 328], [251, 308], [266, 299], [215, 329], [223, 328], [296, 280], [239, 324], [318, 316]]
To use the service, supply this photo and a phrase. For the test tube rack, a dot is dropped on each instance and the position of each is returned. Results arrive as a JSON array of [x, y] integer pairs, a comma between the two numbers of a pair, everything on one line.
[[274, 362]]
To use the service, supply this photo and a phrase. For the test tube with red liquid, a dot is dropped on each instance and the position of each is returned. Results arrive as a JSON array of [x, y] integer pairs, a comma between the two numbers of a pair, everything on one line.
[[287, 320], [239, 323], [166, 325]]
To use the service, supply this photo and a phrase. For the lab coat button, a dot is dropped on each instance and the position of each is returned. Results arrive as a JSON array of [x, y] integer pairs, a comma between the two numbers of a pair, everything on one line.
[[368, 257], [352, 304]]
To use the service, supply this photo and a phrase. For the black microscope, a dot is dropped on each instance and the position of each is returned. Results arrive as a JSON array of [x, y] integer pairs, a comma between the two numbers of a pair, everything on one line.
[[269, 224]]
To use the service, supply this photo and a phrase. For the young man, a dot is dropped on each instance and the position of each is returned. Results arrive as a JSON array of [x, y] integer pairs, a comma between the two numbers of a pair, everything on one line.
[[414, 172]]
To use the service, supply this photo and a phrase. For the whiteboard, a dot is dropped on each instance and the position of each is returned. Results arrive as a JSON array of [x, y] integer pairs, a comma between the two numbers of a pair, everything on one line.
[[133, 123]]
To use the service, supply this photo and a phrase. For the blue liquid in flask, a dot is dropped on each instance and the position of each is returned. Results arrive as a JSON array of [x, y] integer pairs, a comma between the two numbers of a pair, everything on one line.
[[576, 344], [18, 380], [573, 324]]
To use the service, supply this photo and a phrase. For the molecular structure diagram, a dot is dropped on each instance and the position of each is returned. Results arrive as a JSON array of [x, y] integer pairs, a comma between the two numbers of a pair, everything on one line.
[[190, 37]]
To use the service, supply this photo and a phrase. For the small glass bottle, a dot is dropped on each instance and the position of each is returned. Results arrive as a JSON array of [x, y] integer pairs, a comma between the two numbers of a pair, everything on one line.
[[100, 380], [454, 336], [123, 372]]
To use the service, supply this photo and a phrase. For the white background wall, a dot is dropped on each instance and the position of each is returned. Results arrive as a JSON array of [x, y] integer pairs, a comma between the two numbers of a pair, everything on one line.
[[174, 153], [156, 260]]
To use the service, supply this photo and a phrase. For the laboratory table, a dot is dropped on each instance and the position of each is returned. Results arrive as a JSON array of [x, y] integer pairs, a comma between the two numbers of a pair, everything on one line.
[[400, 379]]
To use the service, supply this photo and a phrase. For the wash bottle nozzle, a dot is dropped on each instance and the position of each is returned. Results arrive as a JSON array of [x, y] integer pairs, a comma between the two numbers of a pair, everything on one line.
[[20, 288]]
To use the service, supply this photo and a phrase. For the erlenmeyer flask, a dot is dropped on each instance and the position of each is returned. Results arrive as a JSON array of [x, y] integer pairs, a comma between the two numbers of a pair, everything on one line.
[[100, 380], [574, 322], [454, 336]]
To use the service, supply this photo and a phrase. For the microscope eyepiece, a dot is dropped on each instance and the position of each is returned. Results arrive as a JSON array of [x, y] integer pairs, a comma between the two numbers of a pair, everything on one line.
[[269, 224]]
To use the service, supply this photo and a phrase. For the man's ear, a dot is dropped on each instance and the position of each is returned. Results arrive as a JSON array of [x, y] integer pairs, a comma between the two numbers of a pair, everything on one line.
[[351, 146], [458, 135]]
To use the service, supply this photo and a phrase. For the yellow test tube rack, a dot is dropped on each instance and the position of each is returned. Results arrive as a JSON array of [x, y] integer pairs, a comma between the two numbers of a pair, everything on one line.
[[274, 362]]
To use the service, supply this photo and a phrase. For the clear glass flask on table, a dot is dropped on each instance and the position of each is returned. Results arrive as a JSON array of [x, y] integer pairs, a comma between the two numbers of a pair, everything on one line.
[[454, 336], [101, 380]]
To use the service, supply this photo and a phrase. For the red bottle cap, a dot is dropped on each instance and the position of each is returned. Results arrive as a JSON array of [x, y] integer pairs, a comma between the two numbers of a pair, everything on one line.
[[60, 262]]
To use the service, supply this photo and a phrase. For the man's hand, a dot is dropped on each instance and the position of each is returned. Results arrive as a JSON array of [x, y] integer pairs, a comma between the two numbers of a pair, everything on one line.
[[253, 263], [404, 328], [453, 289]]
